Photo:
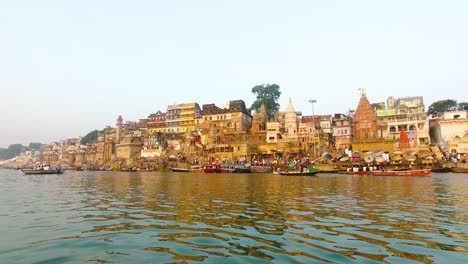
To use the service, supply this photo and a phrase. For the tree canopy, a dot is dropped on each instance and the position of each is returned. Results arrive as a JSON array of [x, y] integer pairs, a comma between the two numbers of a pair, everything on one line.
[[267, 94], [463, 106], [90, 137], [441, 106]]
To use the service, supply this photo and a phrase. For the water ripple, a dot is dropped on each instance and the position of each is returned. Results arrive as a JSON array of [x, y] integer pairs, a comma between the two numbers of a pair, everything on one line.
[[189, 218]]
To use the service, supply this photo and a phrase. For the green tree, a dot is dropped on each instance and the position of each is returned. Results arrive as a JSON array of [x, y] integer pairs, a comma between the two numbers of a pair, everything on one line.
[[463, 106], [90, 137], [378, 106], [442, 106], [35, 146], [267, 94]]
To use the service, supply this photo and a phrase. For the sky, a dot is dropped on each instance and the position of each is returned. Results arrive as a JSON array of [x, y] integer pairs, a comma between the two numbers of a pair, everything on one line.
[[69, 67]]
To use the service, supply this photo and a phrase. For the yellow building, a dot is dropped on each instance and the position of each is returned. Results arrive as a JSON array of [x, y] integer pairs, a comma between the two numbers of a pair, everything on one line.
[[188, 113]]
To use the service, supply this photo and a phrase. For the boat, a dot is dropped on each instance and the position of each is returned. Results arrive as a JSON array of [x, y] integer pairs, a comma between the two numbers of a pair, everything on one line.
[[298, 173], [442, 170], [424, 172], [459, 170], [49, 171], [75, 168], [227, 168], [211, 168], [243, 169], [180, 170], [261, 169]]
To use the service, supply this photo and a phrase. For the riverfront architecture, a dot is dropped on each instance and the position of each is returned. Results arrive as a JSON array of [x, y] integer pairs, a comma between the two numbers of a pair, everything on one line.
[[231, 133]]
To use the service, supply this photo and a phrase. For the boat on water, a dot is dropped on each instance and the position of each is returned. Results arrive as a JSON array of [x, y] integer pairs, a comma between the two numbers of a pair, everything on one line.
[[194, 168], [215, 168], [459, 170], [261, 169], [298, 173], [37, 172], [243, 169], [75, 168], [180, 169], [227, 168], [424, 172]]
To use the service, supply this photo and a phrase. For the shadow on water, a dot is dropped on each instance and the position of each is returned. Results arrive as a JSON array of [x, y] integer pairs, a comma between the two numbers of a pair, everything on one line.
[[180, 217]]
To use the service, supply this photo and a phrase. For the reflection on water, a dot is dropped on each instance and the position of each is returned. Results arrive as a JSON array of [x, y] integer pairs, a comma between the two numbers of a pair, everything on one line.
[[107, 217]]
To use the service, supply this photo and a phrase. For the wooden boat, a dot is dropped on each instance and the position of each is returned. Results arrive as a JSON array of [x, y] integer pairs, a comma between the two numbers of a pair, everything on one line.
[[459, 170], [180, 170], [243, 169], [424, 172], [442, 170], [227, 168], [261, 169], [50, 171], [211, 168], [75, 168], [298, 173]]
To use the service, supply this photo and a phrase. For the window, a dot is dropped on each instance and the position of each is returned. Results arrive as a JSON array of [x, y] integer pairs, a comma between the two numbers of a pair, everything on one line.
[[392, 129]]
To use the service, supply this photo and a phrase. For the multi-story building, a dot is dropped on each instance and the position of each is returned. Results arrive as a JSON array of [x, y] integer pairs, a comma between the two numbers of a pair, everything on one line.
[[407, 113], [342, 132], [451, 131], [188, 114], [173, 118], [156, 123]]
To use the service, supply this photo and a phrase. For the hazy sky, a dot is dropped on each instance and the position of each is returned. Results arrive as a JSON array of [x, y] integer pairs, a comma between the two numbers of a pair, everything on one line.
[[68, 67]]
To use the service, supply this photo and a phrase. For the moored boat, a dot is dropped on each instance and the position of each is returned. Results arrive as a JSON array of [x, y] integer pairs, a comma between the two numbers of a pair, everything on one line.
[[37, 172], [227, 168], [211, 168], [75, 168], [180, 170], [459, 170], [243, 169], [298, 173], [261, 169], [424, 172]]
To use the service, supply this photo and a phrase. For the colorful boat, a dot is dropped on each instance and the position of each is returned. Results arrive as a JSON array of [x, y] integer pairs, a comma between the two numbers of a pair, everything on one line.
[[49, 171], [227, 168], [243, 169], [459, 170], [211, 168], [424, 172]]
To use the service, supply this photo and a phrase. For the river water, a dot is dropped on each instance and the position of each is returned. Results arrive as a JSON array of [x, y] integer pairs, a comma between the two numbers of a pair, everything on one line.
[[165, 217]]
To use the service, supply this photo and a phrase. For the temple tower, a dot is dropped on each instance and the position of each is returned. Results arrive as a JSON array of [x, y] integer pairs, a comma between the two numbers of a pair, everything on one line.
[[119, 126]]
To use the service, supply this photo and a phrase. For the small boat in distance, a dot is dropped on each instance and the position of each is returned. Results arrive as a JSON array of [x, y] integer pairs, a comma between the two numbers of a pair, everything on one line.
[[424, 172], [49, 171], [180, 170], [75, 168], [298, 173]]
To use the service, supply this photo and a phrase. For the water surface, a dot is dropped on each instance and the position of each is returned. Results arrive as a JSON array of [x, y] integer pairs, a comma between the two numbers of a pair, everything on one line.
[[165, 217]]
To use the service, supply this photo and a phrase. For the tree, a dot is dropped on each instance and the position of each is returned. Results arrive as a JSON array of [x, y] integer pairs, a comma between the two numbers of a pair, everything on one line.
[[463, 106], [90, 137], [442, 106], [378, 106], [267, 94], [35, 146]]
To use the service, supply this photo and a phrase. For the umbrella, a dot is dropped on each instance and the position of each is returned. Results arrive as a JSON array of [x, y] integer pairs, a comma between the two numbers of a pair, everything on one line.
[[329, 156], [411, 158], [344, 158], [369, 153], [397, 158], [397, 152], [410, 152], [429, 158], [354, 159], [355, 154], [379, 159], [292, 165], [368, 159]]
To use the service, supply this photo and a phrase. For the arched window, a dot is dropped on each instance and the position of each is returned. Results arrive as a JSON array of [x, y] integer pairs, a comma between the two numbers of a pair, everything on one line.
[[412, 128], [392, 129]]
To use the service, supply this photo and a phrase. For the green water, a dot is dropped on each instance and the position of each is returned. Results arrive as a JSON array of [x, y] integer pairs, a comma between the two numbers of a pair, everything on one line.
[[107, 217]]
